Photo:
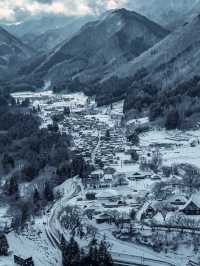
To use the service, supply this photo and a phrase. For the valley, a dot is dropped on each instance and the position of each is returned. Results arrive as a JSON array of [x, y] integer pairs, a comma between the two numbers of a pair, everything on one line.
[[99, 133], [117, 186]]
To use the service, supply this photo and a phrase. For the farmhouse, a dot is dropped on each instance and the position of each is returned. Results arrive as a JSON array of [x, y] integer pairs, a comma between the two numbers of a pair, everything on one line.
[[109, 170], [138, 176], [108, 178], [104, 218], [148, 211], [178, 200], [108, 194], [120, 180], [192, 207], [120, 203]]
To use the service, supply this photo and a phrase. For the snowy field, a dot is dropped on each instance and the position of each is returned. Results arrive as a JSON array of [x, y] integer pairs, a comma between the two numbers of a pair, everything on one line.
[[175, 145]]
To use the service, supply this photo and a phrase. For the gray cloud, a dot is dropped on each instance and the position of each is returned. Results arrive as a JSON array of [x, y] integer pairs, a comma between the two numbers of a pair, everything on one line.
[[45, 1], [10, 9]]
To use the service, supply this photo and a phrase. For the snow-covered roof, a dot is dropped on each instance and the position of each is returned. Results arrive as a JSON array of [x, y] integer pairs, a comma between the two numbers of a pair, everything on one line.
[[158, 218], [108, 177], [109, 170], [97, 172], [95, 205], [175, 198], [108, 193], [103, 216], [195, 198]]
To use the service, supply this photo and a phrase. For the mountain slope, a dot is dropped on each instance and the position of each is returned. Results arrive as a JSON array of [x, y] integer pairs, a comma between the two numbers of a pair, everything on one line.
[[49, 39], [37, 25], [101, 47], [175, 59], [12, 53], [45, 33], [168, 13]]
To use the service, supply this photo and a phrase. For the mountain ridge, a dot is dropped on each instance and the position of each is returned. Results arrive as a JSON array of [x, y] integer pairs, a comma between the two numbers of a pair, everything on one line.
[[169, 54], [101, 46], [12, 52]]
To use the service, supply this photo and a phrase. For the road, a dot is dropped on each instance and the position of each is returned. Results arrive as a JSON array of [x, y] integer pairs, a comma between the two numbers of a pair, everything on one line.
[[53, 227], [145, 256], [120, 250], [93, 155]]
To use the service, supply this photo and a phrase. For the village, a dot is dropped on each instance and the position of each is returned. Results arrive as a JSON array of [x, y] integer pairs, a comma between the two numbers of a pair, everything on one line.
[[133, 192]]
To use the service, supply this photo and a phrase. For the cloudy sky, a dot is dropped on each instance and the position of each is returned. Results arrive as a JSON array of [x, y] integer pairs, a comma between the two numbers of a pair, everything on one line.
[[11, 10]]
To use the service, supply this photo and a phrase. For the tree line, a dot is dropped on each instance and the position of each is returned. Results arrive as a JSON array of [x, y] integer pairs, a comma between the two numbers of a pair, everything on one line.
[[97, 254]]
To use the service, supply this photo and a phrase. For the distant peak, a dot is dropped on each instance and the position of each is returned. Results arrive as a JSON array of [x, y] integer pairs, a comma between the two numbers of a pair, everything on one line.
[[122, 11]]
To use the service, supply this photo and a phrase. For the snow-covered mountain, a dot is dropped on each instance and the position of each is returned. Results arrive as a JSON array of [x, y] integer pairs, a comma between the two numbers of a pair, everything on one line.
[[49, 39], [37, 25], [173, 60], [170, 13], [45, 33], [13, 52], [101, 46]]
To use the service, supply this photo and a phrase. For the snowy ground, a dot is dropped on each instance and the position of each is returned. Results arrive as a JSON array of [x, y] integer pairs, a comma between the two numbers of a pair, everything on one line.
[[38, 242], [180, 150]]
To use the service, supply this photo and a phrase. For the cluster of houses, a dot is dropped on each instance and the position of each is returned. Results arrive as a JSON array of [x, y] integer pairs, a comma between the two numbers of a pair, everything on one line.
[[161, 212], [106, 205], [85, 137], [103, 184], [105, 179], [112, 142]]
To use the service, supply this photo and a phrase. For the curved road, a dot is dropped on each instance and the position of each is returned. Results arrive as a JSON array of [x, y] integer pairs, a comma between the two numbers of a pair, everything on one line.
[[53, 227], [122, 250]]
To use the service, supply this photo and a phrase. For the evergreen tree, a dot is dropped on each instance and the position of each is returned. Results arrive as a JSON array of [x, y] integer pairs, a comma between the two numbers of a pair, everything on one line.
[[104, 256], [48, 192], [26, 102], [63, 243], [107, 136], [132, 214], [13, 101], [13, 186], [3, 245], [36, 196], [25, 212], [92, 257], [66, 111], [71, 253], [172, 120], [97, 255], [134, 156], [54, 127], [134, 139], [7, 161]]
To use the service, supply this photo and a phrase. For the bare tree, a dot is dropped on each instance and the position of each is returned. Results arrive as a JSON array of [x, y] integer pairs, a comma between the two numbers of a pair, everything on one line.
[[156, 160]]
